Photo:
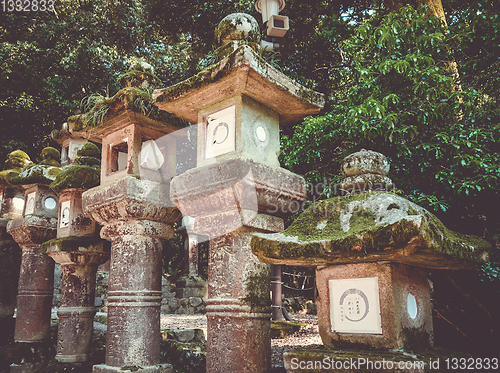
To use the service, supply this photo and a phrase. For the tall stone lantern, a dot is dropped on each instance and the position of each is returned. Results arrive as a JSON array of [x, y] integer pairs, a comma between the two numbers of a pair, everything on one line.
[[238, 188], [79, 251], [133, 205], [11, 207], [372, 250], [37, 225]]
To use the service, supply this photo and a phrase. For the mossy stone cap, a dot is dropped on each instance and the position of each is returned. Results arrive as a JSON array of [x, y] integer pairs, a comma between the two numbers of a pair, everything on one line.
[[17, 160], [370, 227], [237, 26], [89, 150], [365, 161]]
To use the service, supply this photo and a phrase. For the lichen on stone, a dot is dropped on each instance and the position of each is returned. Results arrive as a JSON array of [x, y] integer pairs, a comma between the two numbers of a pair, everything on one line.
[[257, 287], [370, 227]]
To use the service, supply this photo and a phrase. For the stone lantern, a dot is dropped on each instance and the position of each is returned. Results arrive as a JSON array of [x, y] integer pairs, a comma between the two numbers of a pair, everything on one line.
[[80, 252], [37, 225], [70, 143], [371, 251], [133, 205], [11, 207], [238, 187]]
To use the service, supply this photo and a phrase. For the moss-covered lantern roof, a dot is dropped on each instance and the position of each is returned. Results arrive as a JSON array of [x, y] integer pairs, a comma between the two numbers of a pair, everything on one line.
[[14, 164], [43, 173], [370, 227], [241, 72], [84, 174]]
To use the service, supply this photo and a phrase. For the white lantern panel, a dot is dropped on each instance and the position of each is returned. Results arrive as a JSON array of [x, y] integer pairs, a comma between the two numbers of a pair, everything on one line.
[[355, 305]]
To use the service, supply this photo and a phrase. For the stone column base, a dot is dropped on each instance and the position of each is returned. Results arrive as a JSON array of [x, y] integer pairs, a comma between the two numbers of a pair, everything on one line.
[[159, 368]]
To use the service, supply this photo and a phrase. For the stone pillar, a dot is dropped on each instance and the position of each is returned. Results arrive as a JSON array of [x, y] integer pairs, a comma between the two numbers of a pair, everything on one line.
[[134, 296], [276, 292], [76, 313], [36, 278], [10, 261], [126, 209], [238, 314]]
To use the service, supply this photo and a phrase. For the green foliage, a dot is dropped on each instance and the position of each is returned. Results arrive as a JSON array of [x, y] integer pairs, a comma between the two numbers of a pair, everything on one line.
[[442, 141]]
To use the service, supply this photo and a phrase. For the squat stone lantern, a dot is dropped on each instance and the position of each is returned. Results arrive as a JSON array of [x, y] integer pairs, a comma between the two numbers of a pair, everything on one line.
[[11, 207], [238, 187], [80, 252], [371, 251], [37, 225], [133, 206], [70, 143]]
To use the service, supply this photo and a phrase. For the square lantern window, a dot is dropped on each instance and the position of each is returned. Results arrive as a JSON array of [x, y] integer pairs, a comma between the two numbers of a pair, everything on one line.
[[40, 200], [73, 222], [238, 127], [136, 149]]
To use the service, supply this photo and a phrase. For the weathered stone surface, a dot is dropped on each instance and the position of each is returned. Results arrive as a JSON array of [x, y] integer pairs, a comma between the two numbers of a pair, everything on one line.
[[365, 162], [36, 278], [370, 227], [134, 295], [32, 230], [235, 185], [399, 330], [130, 198], [76, 313], [242, 72], [237, 26], [159, 368]]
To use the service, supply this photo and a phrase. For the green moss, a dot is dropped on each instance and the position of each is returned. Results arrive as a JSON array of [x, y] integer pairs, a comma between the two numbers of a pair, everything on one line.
[[257, 288], [50, 157], [76, 176], [89, 149], [88, 161], [101, 319], [136, 76], [35, 174], [17, 160], [282, 329], [76, 244], [417, 237]]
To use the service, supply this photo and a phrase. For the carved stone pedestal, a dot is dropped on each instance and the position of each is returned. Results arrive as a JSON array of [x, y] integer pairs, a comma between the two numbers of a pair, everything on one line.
[[232, 200], [36, 278]]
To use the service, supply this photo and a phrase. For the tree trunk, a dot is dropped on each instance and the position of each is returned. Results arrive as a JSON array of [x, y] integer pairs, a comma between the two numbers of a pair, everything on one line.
[[435, 6], [435, 9]]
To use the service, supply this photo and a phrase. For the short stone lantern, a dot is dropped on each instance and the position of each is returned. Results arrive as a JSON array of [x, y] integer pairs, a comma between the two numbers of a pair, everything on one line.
[[70, 143], [371, 251], [132, 204], [80, 252], [37, 225], [238, 187], [11, 207]]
